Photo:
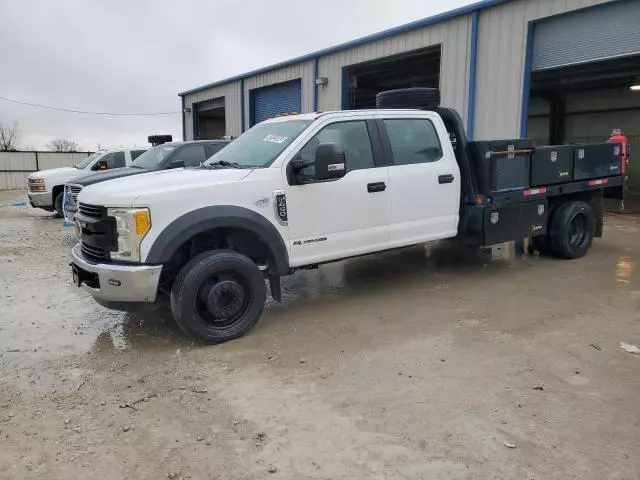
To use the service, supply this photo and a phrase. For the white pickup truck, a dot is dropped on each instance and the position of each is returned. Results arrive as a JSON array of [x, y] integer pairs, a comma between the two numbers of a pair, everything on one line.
[[46, 187], [298, 191]]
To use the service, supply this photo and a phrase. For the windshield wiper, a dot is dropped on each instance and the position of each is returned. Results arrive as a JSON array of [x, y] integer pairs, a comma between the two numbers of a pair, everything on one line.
[[222, 164]]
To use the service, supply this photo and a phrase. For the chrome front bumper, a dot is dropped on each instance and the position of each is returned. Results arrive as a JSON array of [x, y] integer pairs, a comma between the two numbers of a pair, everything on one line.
[[116, 283], [40, 199]]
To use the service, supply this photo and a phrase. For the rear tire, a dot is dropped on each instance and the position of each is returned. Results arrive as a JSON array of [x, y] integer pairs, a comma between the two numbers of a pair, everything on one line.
[[572, 229], [218, 296], [424, 98], [57, 206]]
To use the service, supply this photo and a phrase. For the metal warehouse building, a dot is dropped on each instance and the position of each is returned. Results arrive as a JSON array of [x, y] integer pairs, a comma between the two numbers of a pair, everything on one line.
[[552, 70]]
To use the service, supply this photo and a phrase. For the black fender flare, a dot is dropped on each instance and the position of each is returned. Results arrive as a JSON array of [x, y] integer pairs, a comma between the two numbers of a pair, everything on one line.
[[219, 216]]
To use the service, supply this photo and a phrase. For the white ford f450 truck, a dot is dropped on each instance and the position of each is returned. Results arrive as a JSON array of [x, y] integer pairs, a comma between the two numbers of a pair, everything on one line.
[[298, 191]]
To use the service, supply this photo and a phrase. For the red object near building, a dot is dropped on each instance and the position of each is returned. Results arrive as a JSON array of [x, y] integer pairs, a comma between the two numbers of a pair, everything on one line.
[[618, 137]]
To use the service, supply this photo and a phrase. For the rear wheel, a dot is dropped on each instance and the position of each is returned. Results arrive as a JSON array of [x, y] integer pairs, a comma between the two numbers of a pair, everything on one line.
[[572, 229], [57, 205], [218, 296]]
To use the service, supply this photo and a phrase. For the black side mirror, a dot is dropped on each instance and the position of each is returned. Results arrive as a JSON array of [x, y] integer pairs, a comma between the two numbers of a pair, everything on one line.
[[177, 164], [330, 162]]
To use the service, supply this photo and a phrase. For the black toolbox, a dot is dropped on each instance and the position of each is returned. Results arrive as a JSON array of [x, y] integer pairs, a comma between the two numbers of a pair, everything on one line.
[[596, 160], [508, 222], [501, 165], [551, 165]]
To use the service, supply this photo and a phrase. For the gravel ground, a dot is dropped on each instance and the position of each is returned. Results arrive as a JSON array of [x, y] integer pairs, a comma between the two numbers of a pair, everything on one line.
[[418, 364]]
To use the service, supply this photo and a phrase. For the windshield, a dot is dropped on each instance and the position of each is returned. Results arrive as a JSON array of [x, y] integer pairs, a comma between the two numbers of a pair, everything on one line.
[[84, 163], [151, 159], [260, 145]]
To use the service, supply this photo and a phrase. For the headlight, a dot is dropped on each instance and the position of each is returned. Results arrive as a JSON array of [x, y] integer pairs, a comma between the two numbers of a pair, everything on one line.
[[132, 224], [37, 185]]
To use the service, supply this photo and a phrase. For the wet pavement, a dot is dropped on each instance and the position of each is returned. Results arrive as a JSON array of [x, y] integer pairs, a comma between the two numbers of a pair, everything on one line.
[[421, 363]]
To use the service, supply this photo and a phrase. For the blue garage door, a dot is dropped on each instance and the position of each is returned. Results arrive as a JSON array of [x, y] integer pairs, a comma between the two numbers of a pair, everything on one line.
[[277, 99]]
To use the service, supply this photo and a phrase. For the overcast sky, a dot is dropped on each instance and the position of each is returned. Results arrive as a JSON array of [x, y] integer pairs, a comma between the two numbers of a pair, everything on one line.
[[136, 56]]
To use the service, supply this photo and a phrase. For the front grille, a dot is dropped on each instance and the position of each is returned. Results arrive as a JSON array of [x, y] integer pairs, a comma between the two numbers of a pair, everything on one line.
[[91, 252], [99, 234], [92, 211], [71, 193]]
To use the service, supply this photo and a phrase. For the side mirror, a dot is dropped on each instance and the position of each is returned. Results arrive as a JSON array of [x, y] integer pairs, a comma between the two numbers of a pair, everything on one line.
[[102, 165], [330, 162], [177, 164]]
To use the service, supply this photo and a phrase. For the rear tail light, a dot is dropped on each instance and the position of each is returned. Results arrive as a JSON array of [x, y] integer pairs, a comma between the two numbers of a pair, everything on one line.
[[601, 181], [534, 191]]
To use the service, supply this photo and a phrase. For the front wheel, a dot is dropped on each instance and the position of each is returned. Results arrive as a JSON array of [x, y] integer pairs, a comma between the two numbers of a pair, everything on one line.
[[57, 206], [572, 229], [218, 296]]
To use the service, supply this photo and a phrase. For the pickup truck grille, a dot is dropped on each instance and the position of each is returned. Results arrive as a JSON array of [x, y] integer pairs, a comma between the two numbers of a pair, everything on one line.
[[98, 232], [91, 252], [71, 193], [92, 211]]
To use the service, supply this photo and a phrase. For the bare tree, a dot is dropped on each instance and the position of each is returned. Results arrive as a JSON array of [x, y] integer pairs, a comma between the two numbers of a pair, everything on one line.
[[9, 137], [61, 145]]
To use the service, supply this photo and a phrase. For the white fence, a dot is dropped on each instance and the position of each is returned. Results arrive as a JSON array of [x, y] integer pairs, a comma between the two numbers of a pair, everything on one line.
[[16, 166]]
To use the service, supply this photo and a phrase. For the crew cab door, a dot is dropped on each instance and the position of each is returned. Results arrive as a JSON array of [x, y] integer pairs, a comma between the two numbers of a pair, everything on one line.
[[424, 179], [340, 218]]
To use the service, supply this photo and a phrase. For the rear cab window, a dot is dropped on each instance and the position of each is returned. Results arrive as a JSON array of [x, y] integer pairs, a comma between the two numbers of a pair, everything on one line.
[[413, 140]]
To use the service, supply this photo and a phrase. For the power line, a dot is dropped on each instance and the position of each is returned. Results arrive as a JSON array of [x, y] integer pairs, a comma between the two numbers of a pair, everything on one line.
[[69, 110]]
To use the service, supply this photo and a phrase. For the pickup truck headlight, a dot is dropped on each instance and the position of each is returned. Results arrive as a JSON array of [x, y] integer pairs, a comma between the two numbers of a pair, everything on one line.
[[37, 185], [132, 224]]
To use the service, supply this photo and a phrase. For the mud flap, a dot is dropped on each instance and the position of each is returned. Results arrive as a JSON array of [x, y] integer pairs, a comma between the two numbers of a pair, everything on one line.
[[276, 287]]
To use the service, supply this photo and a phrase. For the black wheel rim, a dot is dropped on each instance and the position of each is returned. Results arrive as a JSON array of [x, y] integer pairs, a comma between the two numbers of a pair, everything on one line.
[[578, 232], [222, 300]]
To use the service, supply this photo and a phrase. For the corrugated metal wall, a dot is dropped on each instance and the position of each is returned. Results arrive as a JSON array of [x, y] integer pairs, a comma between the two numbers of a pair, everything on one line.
[[454, 35], [231, 92], [501, 62], [303, 71], [16, 166]]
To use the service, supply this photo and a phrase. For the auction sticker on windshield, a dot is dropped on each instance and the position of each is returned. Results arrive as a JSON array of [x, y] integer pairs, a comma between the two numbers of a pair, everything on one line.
[[275, 139]]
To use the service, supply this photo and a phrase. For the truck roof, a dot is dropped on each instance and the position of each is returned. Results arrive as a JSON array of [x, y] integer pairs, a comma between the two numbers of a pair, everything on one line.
[[346, 113]]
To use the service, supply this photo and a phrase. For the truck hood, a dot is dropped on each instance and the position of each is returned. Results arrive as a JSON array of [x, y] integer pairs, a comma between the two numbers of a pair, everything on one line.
[[125, 191], [55, 172], [104, 175]]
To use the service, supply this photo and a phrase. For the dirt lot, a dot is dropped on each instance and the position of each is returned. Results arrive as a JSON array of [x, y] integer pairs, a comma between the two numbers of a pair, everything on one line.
[[418, 364]]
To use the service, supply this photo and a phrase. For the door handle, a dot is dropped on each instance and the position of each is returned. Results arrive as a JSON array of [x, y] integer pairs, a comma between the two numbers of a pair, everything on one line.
[[446, 179], [376, 187]]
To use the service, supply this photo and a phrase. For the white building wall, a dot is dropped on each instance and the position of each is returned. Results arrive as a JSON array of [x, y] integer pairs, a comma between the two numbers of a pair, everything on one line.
[[303, 71], [231, 94], [453, 35], [501, 62]]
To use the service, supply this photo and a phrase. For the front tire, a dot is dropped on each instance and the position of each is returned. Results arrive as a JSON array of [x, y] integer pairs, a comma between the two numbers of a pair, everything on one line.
[[218, 296], [572, 229], [57, 206]]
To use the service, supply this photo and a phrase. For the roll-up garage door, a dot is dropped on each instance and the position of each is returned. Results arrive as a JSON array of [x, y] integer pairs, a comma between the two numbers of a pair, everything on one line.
[[594, 34], [277, 99]]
